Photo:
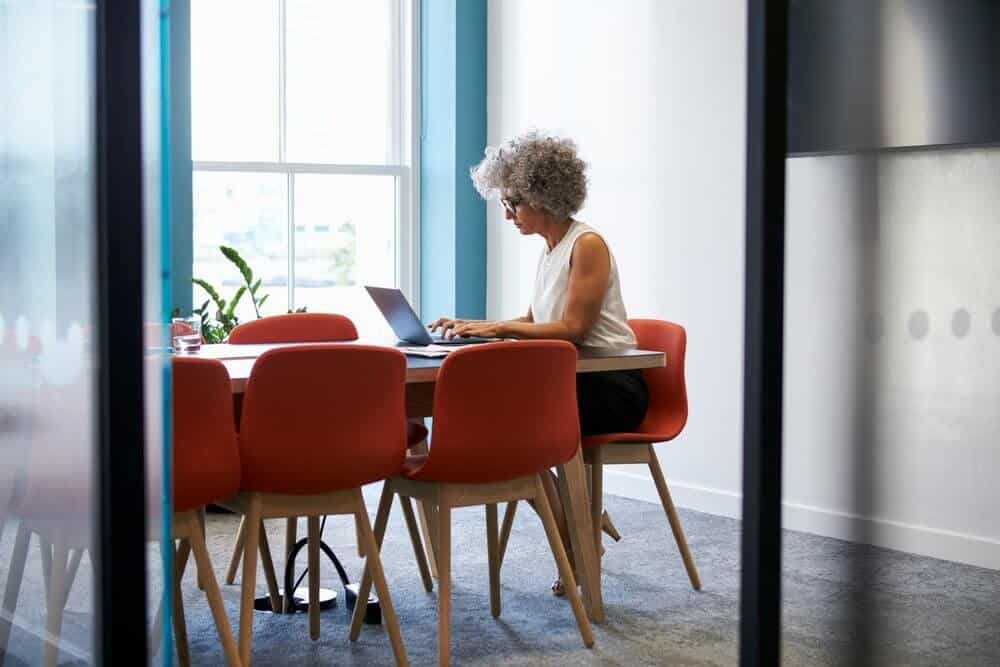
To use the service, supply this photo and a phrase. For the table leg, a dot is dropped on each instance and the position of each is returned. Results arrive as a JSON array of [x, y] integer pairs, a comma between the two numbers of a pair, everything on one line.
[[573, 492]]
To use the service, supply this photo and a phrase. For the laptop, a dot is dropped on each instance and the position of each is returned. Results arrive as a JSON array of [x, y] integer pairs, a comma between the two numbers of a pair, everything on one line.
[[405, 323]]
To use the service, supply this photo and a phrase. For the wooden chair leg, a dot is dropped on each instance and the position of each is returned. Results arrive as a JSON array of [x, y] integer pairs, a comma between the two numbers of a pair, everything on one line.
[[418, 546], [609, 527], [493, 558], [234, 560], [200, 516], [562, 563], [597, 500], [15, 575], [291, 537], [444, 583], [74, 567], [214, 596], [427, 515], [45, 548], [374, 565], [268, 566], [180, 623], [54, 608], [248, 589], [554, 496], [573, 492], [381, 521], [313, 533], [291, 533], [508, 524], [674, 519], [357, 540]]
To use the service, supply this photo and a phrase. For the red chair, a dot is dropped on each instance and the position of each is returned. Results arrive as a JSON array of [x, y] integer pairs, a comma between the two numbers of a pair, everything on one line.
[[318, 423], [307, 328], [492, 440], [664, 421], [295, 328], [206, 470]]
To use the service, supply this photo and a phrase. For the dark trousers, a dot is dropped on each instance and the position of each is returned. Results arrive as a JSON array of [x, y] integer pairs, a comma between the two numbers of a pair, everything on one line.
[[611, 402]]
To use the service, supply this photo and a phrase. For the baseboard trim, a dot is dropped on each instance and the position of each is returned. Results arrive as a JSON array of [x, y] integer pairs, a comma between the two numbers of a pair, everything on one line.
[[911, 538]]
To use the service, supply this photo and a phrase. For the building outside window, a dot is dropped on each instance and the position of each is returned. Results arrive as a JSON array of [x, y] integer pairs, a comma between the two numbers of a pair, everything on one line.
[[304, 151]]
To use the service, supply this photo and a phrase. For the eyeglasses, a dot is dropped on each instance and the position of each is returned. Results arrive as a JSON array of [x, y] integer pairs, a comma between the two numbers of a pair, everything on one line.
[[511, 204]]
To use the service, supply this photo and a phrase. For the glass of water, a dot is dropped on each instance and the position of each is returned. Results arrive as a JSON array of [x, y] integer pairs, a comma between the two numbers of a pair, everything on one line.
[[185, 334]]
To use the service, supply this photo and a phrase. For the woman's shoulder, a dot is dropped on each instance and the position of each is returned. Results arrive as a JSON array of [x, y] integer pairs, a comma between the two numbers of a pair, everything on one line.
[[587, 239]]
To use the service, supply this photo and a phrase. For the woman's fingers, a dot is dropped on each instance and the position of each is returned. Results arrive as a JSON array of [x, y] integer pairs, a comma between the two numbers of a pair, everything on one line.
[[444, 323], [485, 329]]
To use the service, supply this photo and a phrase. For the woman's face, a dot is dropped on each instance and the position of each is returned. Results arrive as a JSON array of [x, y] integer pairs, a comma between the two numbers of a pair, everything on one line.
[[527, 219]]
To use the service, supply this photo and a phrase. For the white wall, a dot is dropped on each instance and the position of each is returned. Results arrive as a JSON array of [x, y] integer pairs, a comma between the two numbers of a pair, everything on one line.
[[892, 351], [887, 439]]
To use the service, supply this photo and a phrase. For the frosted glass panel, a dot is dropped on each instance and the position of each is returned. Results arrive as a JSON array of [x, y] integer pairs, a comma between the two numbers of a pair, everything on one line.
[[47, 322]]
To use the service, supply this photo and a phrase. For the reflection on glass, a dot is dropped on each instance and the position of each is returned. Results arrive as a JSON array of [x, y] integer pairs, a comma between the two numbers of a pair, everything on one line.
[[47, 317], [247, 212], [345, 233], [234, 80], [340, 81]]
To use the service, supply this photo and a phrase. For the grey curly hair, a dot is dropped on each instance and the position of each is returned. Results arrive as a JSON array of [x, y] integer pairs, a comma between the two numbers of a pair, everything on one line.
[[541, 169]]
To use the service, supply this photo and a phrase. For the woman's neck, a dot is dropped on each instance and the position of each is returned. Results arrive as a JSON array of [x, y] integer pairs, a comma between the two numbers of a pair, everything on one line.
[[555, 231]]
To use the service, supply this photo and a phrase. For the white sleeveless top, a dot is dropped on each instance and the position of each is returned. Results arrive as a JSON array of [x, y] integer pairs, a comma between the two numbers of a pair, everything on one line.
[[552, 290]]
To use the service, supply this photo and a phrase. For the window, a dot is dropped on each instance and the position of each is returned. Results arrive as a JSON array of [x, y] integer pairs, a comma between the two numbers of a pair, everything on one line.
[[304, 150]]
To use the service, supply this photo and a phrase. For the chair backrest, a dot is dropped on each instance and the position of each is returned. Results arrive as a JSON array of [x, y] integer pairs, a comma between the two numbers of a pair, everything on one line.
[[668, 408], [322, 418], [503, 411], [205, 453], [295, 328]]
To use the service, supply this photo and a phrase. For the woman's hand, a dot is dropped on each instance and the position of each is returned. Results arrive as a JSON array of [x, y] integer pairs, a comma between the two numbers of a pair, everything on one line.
[[446, 325], [484, 329]]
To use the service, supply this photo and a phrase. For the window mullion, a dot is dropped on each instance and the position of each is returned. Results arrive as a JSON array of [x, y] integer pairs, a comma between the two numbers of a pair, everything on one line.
[[282, 87], [283, 143], [291, 241]]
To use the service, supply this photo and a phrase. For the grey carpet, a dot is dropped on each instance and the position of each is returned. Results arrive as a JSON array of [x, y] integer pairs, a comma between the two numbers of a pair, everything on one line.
[[922, 611]]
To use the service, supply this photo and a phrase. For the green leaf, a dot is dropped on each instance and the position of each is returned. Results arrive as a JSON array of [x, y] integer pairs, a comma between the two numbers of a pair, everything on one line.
[[261, 301], [219, 303], [255, 286], [235, 300], [240, 263]]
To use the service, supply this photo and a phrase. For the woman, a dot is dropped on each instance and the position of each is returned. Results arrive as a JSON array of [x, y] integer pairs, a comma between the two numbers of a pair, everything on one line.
[[540, 182]]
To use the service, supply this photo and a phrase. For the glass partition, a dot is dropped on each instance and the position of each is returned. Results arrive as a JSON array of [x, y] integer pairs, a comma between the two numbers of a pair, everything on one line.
[[51, 328], [48, 316]]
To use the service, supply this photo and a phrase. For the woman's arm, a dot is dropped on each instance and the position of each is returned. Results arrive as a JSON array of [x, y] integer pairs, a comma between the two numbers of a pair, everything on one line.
[[590, 270]]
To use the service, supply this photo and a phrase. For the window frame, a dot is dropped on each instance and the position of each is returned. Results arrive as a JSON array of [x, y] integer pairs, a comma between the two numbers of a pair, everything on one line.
[[405, 149]]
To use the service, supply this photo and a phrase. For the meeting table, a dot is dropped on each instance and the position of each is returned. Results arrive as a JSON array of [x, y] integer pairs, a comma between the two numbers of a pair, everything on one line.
[[420, 377]]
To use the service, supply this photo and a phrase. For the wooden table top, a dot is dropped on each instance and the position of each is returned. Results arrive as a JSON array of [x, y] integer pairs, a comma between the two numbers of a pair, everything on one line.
[[239, 360]]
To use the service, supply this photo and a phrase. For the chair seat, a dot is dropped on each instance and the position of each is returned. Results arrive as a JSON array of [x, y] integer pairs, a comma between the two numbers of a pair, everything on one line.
[[613, 438], [415, 434]]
